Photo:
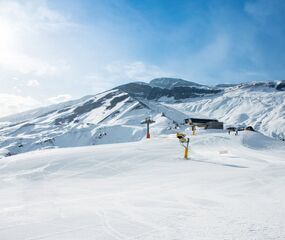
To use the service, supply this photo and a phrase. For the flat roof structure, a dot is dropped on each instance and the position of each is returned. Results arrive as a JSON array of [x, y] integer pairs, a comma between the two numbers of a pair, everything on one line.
[[204, 122]]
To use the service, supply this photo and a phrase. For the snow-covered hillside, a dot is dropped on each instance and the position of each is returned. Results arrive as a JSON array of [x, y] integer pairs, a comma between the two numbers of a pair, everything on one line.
[[231, 188], [109, 117], [115, 116], [261, 107]]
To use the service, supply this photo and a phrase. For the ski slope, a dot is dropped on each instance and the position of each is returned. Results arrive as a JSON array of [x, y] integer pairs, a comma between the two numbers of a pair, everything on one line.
[[260, 107], [232, 187]]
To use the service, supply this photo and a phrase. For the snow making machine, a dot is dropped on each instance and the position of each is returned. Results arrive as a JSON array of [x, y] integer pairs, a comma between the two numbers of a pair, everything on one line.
[[184, 141]]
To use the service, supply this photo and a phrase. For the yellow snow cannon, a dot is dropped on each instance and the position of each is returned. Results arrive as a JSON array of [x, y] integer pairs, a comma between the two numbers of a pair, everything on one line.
[[184, 141]]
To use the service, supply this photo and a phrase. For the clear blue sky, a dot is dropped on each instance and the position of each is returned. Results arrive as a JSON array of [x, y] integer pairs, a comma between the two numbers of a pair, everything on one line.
[[53, 50]]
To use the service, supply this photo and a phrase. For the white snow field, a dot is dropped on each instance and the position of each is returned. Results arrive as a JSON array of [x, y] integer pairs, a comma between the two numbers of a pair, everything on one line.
[[259, 107], [232, 187]]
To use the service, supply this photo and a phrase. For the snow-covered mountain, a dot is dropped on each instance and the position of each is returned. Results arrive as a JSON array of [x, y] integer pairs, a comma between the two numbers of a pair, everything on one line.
[[170, 83], [146, 189], [163, 88], [109, 117], [115, 115], [260, 105]]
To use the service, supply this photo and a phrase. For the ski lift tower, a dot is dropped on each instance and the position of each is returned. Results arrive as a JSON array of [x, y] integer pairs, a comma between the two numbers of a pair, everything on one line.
[[147, 121]]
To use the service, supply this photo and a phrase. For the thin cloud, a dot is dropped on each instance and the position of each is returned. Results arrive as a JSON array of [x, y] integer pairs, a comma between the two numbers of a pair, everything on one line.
[[59, 98], [33, 83], [134, 71], [10, 104], [120, 72]]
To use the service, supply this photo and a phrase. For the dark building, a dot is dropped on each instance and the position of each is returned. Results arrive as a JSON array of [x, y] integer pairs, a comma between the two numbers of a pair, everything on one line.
[[231, 129], [204, 122]]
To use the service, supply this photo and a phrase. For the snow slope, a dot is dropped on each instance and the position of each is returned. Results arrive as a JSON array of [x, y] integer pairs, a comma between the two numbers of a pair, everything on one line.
[[110, 117], [262, 108], [231, 188], [115, 116]]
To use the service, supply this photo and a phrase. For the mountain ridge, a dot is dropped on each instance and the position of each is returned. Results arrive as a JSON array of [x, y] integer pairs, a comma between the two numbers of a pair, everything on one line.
[[115, 115]]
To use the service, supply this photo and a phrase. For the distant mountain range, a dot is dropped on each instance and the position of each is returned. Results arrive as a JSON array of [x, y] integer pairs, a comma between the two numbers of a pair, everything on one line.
[[115, 115]]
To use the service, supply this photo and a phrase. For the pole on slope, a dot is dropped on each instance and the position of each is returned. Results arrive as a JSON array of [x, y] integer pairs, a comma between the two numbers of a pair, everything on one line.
[[193, 130], [184, 141], [186, 149], [147, 121], [147, 130]]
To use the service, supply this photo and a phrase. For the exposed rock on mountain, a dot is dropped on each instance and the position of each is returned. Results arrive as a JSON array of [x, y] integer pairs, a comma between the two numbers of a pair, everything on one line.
[[116, 115]]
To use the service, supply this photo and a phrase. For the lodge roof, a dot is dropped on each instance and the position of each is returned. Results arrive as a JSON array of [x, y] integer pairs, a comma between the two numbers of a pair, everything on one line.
[[200, 120]]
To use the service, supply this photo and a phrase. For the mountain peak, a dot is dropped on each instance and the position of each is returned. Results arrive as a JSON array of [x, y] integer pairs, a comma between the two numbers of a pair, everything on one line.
[[170, 83]]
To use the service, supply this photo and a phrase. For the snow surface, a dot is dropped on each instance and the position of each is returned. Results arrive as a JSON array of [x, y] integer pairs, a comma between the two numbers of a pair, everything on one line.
[[115, 116], [109, 117], [262, 108], [232, 187]]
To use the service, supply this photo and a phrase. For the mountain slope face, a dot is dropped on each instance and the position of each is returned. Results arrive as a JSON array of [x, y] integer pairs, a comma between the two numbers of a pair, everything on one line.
[[168, 88], [115, 116], [260, 105], [110, 117], [170, 83]]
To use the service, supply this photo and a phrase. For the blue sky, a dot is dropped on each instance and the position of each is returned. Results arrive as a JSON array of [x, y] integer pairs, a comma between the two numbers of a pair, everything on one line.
[[57, 50]]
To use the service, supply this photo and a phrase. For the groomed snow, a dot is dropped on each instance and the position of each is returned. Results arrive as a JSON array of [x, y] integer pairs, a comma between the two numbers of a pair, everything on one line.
[[231, 188]]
